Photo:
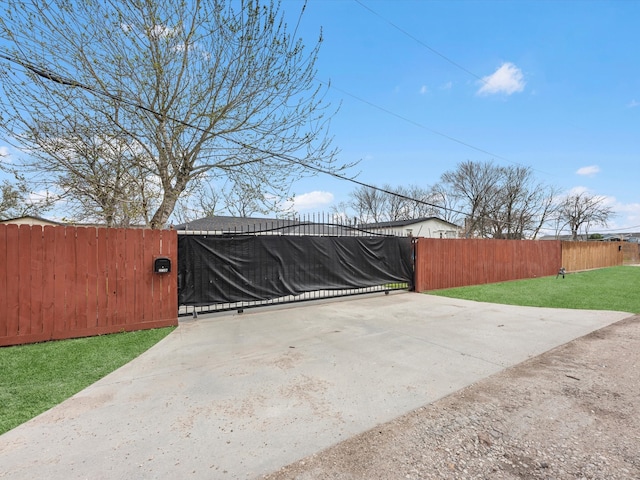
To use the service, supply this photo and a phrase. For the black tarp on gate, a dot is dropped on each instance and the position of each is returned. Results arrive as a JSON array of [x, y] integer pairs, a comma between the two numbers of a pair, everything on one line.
[[214, 270]]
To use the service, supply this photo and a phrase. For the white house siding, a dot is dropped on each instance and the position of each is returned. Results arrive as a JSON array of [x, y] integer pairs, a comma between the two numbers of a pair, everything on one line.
[[431, 228]]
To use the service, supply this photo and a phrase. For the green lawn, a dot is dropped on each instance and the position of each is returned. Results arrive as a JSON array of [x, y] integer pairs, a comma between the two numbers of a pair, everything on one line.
[[616, 288], [34, 378]]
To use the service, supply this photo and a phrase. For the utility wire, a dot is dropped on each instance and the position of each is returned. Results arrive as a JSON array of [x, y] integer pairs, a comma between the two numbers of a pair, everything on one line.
[[447, 59], [417, 40], [52, 76], [49, 75], [413, 122]]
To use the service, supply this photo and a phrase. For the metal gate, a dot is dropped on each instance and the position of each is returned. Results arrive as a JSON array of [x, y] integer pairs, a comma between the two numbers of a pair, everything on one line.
[[287, 261]]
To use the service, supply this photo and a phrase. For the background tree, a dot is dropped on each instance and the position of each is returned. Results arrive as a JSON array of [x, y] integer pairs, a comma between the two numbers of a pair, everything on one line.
[[16, 200], [474, 187], [222, 88], [235, 197], [389, 204], [581, 210], [522, 204], [501, 202], [103, 178]]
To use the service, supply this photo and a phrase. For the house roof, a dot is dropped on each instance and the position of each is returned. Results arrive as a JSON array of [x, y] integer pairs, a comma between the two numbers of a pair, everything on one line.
[[27, 219], [405, 223]]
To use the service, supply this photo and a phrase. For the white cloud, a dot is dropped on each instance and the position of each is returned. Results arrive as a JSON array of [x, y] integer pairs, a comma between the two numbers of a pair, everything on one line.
[[633, 104], [507, 79], [589, 171], [312, 200], [626, 219], [424, 89], [447, 86], [4, 151]]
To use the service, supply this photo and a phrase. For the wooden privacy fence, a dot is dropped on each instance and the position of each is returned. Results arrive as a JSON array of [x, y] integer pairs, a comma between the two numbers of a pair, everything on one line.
[[452, 263], [442, 263], [578, 256], [64, 282]]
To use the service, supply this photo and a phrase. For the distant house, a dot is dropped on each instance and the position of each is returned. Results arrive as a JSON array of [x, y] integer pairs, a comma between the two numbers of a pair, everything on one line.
[[30, 220], [596, 237], [427, 227], [431, 227]]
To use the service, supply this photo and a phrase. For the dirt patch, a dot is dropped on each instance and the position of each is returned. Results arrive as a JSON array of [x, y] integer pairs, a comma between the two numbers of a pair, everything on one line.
[[572, 413]]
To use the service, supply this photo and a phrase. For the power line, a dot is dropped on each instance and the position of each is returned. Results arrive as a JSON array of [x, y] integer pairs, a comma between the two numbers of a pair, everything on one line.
[[413, 122], [54, 77], [420, 42], [447, 59]]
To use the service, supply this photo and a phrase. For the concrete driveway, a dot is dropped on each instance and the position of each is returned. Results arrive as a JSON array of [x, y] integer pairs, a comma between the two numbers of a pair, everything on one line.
[[236, 396]]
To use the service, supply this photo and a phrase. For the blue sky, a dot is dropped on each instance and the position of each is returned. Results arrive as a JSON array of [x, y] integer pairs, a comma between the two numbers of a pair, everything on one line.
[[427, 84], [552, 85]]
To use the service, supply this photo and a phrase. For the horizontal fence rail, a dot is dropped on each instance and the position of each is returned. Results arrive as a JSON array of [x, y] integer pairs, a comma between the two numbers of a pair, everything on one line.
[[61, 282]]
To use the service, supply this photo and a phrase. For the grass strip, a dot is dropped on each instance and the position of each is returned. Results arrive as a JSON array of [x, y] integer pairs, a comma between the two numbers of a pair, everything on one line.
[[614, 288], [34, 378]]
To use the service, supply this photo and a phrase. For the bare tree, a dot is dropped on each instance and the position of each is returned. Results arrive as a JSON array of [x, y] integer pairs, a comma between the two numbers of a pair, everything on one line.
[[582, 210], [423, 202], [388, 204], [474, 186], [369, 204], [235, 196], [501, 202], [102, 178], [16, 201], [192, 87], [522, 204], [446, 203]]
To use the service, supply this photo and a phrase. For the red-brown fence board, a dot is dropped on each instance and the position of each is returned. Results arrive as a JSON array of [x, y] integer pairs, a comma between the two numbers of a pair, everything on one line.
[[48, 278], [148, 280], [119, 286], [12, 297], [36, 269], [130, 268], [111, 275], [71, 294], [63, 282], [3, 280], [447, 263], [60, 287], [24, 281], [81, 263], [102, 255], [92, 279], [138, 307]]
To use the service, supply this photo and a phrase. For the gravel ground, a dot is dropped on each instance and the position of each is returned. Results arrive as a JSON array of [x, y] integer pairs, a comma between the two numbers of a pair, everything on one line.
[[571, 413]]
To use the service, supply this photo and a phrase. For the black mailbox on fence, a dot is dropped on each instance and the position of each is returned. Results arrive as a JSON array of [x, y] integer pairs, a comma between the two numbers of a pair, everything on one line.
[[162, 265]]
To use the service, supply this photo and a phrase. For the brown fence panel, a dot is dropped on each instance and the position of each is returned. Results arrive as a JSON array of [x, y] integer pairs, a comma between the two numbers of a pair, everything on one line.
[[630, 253], [578, 256], [66, 282], [3, 281], [48, 279], [12, 267], [447, 263]]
